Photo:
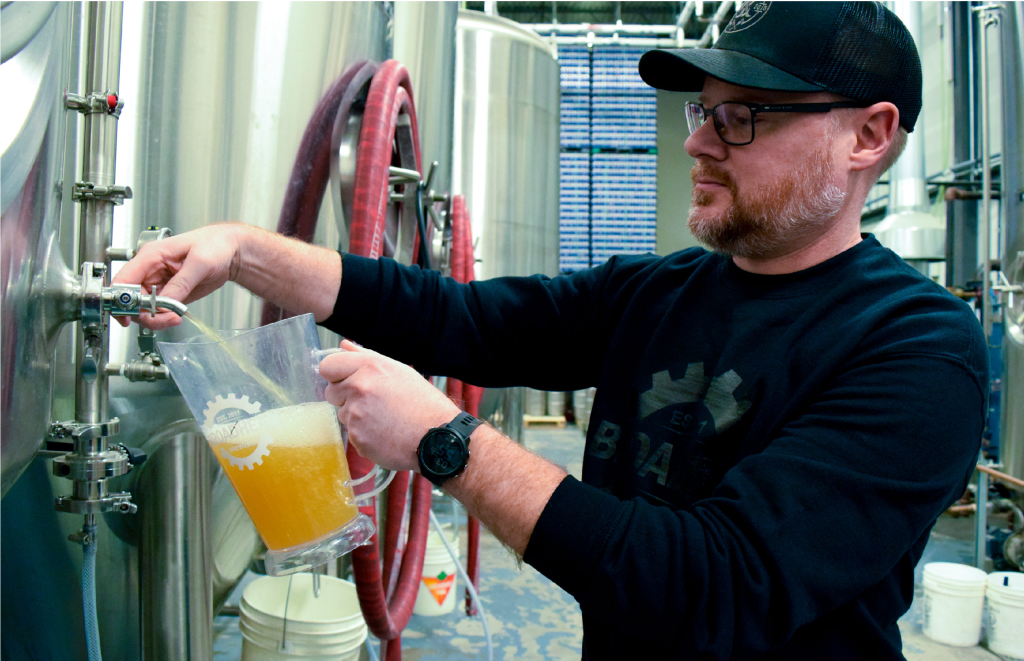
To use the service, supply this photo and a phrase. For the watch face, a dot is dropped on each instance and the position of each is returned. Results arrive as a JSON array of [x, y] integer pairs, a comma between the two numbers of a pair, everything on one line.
[[443, 452]]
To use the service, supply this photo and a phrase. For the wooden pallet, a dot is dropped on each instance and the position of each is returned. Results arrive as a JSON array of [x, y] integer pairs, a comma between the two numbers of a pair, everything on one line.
[[557, 421]]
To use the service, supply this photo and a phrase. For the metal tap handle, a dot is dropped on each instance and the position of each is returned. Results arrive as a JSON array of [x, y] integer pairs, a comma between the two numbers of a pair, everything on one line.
[[430, 176]]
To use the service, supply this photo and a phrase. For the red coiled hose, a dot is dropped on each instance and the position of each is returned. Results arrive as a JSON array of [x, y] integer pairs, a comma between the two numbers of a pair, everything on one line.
[[466, 395], [386, 598], [386, 603], [390, 97], [311, 170]]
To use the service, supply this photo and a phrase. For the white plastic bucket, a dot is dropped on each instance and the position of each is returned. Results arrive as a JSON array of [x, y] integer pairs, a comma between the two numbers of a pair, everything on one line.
[[954, 600], [1005, 626], [438, 585], [330, 626]]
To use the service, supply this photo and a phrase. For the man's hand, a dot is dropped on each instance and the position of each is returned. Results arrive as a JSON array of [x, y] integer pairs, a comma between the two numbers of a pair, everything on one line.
[[185, 267], [386, 406], [289, 273]]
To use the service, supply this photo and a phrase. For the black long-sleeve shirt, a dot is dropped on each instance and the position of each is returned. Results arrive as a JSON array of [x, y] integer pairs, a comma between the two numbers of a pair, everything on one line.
[[766, 454]]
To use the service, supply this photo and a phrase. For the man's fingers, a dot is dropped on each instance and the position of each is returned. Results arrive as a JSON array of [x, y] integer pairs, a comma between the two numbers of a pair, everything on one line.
[[349, 345], [340, 366], [134, 272], [182, 284]]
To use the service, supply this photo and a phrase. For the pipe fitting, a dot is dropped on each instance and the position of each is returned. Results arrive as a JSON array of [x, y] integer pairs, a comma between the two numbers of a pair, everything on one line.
[[144, 369]]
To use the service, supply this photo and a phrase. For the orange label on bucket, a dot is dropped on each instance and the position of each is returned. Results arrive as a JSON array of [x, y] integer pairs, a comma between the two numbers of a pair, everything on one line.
[[440, 586]]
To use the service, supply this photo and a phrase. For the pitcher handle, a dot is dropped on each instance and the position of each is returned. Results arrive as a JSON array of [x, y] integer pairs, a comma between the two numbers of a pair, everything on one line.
[[320, 354], [378, 486]]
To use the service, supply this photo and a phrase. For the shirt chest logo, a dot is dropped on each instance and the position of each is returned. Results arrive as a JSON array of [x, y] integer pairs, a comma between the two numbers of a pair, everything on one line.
[[717, 395]]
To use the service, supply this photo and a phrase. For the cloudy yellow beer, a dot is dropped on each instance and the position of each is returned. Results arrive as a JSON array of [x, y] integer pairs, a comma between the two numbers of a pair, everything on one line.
[[289, 469]]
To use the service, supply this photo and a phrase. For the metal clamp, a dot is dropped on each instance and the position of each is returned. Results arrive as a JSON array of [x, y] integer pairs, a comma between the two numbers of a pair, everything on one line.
[[86, 190], [84, 431], [114, 502], [91, 307], [108, 103], [93, 467], [152, 233]]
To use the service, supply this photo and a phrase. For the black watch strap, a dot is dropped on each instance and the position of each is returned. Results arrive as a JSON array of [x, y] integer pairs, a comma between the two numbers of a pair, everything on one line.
[[463, 425]]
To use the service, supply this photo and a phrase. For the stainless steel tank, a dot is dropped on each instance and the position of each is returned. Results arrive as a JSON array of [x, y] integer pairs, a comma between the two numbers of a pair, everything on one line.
[[507, 96], [425, 44], [1011, 442], [34, 71], [217, 96], [506, 144]]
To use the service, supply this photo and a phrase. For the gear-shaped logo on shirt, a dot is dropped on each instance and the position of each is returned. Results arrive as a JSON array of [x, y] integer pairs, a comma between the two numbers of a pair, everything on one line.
[[223, 410]]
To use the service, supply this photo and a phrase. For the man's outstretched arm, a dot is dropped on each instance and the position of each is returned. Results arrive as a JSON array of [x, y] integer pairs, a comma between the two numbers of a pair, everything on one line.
[[294, 275]]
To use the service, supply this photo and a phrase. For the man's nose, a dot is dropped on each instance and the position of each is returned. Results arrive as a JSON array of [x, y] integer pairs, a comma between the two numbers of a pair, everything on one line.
[[705, 141]]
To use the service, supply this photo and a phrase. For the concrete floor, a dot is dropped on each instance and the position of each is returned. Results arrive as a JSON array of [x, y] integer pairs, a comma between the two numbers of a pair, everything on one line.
[[530, 618]]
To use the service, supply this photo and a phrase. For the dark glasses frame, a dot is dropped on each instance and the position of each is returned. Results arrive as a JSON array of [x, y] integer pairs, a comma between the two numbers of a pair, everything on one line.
[[697, 114]]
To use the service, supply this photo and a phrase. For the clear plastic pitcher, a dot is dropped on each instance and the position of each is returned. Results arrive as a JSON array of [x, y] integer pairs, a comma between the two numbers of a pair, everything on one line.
[[258, 396]]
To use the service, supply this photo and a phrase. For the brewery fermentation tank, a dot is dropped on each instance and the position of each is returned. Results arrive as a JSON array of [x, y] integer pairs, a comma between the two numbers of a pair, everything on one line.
[[1011, 428], [506, 160], [506, 144], [216, 99], [425, 43]]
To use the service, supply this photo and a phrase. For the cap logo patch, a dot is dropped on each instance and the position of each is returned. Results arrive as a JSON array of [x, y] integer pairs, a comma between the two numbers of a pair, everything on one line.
[[749, 14]]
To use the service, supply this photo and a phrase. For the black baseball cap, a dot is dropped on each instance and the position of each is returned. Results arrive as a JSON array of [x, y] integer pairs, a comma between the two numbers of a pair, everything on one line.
[[859, 50]]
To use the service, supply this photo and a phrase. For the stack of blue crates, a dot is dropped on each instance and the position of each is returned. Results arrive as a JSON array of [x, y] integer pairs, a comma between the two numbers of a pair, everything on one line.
[[624, 173], [623, 207], [574, 62], [608, 164], [574, 211], [623, 107], [574, 161]]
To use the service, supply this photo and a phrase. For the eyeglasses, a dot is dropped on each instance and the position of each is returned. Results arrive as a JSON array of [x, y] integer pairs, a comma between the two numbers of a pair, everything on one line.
[[734, 120]]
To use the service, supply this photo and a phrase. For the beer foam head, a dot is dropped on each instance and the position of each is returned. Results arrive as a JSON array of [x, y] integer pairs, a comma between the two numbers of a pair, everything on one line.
[[304, 424]]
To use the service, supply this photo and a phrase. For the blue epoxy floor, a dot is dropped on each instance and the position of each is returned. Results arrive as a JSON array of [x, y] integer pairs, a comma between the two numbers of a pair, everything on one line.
[[530, 618]]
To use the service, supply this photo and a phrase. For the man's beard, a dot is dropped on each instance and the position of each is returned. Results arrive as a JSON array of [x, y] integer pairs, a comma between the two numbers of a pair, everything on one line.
[[772, 218]]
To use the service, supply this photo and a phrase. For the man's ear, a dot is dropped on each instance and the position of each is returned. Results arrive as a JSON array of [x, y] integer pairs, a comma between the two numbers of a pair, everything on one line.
[[875, 127]]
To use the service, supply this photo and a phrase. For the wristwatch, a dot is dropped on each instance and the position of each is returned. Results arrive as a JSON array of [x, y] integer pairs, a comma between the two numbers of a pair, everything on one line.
[[444, 451]]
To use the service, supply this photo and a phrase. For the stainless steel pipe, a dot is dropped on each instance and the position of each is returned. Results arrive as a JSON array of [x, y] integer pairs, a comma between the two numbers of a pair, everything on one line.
[[96, 219], [988, 16]]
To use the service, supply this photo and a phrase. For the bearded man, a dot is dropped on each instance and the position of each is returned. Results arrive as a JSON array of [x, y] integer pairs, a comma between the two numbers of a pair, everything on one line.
[[778, 422]]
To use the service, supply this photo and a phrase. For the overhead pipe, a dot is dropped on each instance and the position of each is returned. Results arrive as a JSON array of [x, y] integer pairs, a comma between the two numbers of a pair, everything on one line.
[[625, 41], [601, 28], [686, 14], [715, 25]]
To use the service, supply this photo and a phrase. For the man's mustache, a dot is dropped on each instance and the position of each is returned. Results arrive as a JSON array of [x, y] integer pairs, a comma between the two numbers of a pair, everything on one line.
[[709, 171]]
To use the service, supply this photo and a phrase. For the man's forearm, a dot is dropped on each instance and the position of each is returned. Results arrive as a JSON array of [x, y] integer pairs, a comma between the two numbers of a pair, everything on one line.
[[292, 274], [505, 486]]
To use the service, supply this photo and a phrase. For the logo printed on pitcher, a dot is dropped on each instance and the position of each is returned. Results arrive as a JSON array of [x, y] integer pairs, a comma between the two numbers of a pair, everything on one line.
[[228, 417], [440, 586]]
